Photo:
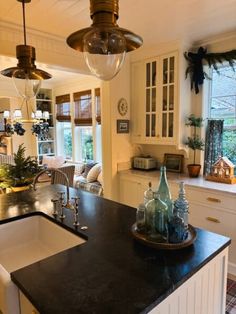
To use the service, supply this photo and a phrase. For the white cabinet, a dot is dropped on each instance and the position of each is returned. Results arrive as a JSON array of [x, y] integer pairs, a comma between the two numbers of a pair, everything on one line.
[[204, 292], [209, 209], [46, 146], [132, 187], [214, 211], [154, 105], [26, 306]]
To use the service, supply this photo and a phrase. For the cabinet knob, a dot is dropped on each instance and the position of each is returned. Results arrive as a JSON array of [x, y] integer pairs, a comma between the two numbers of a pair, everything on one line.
[[157, 135], [214, 200], [212, 219]]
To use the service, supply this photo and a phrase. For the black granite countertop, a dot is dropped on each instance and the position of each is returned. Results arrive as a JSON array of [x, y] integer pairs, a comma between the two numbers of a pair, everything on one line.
[[110, 272]]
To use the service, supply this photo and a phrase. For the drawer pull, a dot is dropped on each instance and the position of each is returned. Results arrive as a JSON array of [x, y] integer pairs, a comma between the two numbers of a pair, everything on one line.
[[214, 200], [212, 219]]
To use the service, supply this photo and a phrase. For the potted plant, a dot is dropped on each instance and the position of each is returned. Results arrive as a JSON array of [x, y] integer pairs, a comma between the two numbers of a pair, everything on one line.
[[19, 176], [195, 143]]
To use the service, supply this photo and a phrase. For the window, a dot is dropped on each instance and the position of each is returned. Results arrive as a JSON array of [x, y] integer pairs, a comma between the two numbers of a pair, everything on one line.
[[64, 140], [85, 143], [223, 106], [79, 125]]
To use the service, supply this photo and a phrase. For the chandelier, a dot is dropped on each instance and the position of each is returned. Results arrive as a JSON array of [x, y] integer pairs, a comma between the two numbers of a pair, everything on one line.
[[104, 44], [27, 80]]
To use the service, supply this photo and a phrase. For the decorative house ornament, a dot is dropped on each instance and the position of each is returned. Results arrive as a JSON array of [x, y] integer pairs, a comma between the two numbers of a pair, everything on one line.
[[222, 171], [196, 61]]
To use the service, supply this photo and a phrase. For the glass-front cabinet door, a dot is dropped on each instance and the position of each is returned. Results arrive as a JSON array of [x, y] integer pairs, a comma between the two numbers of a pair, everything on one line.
[[151, 99], [168, 97], [160, 99], [154, 100]]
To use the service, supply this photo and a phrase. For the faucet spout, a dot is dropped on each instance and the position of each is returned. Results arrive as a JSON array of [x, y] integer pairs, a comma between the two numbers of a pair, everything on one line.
[[58, 171]]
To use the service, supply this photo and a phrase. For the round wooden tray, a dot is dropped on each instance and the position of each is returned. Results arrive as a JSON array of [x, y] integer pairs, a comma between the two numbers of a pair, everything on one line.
[[192, 234]]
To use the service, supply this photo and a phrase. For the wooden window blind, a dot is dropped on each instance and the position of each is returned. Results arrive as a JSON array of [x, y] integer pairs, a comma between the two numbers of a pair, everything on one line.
[[98, 105], [63, 108], [83, 108]]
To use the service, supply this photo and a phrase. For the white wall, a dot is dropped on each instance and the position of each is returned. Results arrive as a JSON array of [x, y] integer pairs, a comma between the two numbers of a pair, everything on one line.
[[117, 148]]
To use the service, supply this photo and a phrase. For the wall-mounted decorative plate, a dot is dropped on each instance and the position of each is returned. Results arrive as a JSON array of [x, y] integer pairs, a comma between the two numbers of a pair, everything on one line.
[[122, 106]]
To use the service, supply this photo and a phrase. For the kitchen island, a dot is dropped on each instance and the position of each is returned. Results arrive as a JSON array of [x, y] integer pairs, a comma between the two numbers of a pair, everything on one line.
[[111, 272]]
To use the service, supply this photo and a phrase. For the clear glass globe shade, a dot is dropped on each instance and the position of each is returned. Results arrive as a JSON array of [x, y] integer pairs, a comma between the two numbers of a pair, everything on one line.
[[25, 86], [104, 52]]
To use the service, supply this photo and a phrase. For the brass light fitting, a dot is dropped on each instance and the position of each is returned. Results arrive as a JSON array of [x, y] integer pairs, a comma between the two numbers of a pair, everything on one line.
[[104, 13], [26, 59], [104, 44]]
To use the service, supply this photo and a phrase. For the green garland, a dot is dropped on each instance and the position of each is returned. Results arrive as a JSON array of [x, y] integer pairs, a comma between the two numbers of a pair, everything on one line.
[[195, 64]]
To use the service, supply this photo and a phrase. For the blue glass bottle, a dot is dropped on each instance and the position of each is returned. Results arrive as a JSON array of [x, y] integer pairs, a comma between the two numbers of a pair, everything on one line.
[[164, 191], [156, 222], [181, 205]]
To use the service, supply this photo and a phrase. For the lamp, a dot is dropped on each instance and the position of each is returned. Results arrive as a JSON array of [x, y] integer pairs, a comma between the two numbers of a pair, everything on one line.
[[26, 77], [104, 44]]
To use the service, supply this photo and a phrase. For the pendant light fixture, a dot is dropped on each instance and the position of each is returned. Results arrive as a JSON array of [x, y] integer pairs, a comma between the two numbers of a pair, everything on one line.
[[27, 81], [104, 44], [26, 77]]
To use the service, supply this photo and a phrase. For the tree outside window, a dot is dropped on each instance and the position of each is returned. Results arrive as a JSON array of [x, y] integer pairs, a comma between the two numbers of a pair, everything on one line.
[[223, 106]]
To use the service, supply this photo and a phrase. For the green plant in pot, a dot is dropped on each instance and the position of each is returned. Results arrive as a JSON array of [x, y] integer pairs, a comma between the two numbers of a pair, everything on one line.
[[20, 175], [195, 143]]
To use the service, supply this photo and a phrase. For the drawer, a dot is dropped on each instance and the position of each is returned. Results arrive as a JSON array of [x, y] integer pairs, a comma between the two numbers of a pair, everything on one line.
[[213, 220], [209, 198]]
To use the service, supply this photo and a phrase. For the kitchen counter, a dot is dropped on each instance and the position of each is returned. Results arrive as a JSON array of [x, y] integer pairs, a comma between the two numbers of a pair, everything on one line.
[[199, 182], [110, 272]]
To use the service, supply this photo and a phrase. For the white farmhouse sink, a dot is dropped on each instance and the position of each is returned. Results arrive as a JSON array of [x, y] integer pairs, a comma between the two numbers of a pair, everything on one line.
[[23, 242]]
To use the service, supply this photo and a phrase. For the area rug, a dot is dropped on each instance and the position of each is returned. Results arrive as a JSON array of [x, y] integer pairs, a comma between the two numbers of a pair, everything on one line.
[[231, 297]]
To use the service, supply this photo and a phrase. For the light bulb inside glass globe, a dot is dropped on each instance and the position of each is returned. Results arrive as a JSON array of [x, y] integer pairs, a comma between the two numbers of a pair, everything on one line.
[[26, 84], [104, 52]]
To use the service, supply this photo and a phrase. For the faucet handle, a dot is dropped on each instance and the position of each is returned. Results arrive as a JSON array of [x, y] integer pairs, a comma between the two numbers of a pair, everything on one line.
[[76, 201], [76, 210], [55, 206], [61, 196]]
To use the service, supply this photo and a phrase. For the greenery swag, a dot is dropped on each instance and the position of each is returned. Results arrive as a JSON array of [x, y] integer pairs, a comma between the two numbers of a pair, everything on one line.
[[195, 64]]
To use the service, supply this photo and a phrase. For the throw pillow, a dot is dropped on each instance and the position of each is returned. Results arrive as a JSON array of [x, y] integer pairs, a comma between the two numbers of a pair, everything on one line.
[[93, 173], [87, 167], [100, 178]]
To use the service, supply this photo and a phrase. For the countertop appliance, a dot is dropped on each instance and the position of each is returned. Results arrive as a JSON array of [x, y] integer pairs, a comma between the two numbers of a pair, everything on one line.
[[144, 163]]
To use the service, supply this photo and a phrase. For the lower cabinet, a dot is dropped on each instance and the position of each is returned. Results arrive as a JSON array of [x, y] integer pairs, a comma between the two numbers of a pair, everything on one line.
[[208, 209], [25, 306], [215, 212], [204, 292]]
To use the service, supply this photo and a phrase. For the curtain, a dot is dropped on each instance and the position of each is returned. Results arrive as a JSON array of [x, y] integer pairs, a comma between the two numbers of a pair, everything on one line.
[[213, 144], [63, 108], [98, 105], [83, 108]]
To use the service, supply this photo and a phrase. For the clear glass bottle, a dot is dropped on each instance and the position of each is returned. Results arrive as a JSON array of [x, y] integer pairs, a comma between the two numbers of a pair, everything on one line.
[[148, 194], [164, 191], [156, 218], [181, 205], [140, 217]]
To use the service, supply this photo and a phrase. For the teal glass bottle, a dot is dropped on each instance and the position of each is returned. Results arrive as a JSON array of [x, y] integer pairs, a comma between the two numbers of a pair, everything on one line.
[[164, 191], [155, 219]]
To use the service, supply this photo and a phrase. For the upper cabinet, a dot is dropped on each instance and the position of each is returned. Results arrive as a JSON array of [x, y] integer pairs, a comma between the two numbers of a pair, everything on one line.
[[154, 104]]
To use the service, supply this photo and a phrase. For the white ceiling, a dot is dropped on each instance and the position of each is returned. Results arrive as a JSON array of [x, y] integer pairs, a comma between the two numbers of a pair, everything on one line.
[[157, 21]]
